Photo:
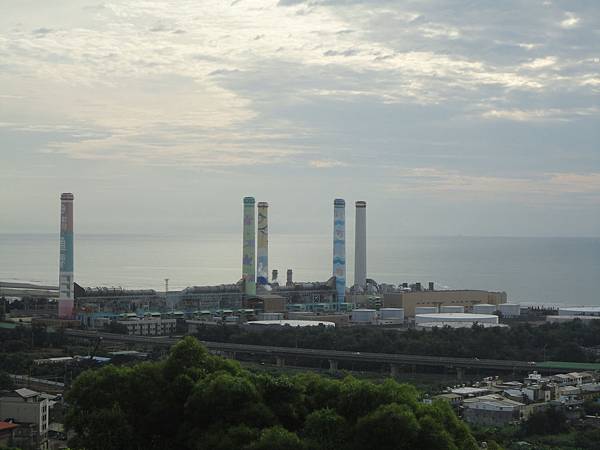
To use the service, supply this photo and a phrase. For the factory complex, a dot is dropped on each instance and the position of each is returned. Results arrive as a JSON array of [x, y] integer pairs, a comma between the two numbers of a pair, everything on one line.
[[260, 294]]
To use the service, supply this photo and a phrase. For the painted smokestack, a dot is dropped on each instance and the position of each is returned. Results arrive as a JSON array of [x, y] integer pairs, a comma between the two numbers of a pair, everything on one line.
[[262, 244], [248, 249], [339, 248], [360, 245], [66, 266]]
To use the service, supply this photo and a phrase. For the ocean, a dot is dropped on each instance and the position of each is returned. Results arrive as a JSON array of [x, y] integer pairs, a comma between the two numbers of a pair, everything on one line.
[[530, 270]]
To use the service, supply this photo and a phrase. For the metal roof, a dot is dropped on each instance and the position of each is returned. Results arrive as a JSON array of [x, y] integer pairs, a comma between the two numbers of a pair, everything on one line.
[[568, 365], [293, 323], [26, 393]]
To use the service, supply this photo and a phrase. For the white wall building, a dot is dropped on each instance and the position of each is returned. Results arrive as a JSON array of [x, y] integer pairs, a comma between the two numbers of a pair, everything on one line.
[[28, 407]]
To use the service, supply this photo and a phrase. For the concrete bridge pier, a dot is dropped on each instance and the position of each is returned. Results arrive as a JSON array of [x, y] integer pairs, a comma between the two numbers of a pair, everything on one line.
[[460, 373], [280, 361], [394, 370], [333, 365]]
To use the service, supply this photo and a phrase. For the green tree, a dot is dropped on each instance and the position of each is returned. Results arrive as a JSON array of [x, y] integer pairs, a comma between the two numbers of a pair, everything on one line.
[[389, 427], [324, 429], [194, 400], [550, 421], [6, 382], [102, 429], [277, 438]]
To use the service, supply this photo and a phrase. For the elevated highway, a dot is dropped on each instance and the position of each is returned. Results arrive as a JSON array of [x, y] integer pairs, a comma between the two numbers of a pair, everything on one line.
[[280, 354]]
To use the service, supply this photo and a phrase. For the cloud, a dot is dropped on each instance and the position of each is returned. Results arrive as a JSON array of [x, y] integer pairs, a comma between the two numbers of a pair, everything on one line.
[[546, 186], [540, 63], [570, 21], [42, 31], [537, 115], [326, 163]]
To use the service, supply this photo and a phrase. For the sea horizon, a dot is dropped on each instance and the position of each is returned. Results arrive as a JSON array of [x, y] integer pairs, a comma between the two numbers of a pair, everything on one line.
[[527, 268]]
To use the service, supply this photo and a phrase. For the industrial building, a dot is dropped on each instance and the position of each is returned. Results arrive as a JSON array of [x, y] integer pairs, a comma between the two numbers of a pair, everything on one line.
[[150, 326], [391, 314], [96, 307], [579, 311], [509, 310], [289, 323], [455, 320], [484, 308], [93, 306], [418, 298], [364, 316], [224, 296]]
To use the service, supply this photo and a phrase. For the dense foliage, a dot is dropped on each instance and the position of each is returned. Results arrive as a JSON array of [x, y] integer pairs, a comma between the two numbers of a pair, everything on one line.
[[193, 400], [18, 345], [6, 382], [558, 342]]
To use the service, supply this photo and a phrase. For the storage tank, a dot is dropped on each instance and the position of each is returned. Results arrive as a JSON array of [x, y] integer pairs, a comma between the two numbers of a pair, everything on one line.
[[364, 315], [452, 309], [391, 314], [484, 308], [426, 310], [509, 309]]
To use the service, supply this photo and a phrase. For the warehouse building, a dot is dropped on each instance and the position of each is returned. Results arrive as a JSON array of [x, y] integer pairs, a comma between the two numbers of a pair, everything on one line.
[[411, 300]]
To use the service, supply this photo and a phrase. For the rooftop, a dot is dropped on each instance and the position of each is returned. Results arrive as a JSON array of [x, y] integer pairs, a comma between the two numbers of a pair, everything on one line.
[[568, 365], [7, 426], [293, 323], [454, 316], [26, 393], [581, 309], [469, 391]]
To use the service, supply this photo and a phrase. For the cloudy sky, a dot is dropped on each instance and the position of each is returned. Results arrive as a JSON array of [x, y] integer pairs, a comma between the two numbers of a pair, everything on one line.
[[455, 117]]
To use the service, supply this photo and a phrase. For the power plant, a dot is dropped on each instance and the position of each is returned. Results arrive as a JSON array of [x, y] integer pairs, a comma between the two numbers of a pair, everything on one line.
[[360, 245], [249, 248], [253, 295], [65, 277], [339, 248], [262, 244]]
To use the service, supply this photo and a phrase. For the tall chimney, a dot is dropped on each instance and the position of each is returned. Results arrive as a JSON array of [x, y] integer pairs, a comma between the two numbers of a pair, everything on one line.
[[262, 244], [290, 278], [66, 266], [360, 245], [339, 248], [248, 248]]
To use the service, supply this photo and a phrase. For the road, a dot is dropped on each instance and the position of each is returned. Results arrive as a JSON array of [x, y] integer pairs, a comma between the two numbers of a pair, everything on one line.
[[397, 360]]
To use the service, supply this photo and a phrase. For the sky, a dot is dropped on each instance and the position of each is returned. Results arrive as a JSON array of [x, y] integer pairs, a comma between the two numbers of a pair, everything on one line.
[[448, 117]]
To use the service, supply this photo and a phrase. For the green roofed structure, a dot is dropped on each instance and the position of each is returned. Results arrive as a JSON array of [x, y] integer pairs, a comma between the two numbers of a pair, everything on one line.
[[565, 365]]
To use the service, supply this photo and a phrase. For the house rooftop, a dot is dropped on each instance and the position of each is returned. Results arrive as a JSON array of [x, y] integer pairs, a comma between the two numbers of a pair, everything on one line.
[[469, 391], [7, 426], [26, 393]]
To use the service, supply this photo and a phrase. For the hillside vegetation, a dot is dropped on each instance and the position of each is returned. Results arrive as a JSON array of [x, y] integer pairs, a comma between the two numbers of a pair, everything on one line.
[[193, 400]]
